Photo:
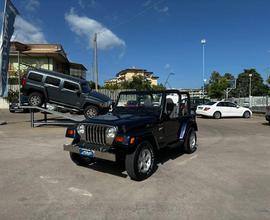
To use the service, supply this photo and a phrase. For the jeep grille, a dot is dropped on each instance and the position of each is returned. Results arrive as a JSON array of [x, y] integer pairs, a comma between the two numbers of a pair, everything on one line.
[[95, 134]]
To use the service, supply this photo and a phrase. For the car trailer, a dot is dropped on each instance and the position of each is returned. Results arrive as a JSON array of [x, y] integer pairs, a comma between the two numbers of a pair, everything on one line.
[[61, 118]]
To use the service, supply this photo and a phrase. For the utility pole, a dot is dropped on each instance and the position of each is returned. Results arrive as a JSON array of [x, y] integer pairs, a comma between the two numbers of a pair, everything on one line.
[[250, 75], [203, 42], [19, 77], [95, 62]]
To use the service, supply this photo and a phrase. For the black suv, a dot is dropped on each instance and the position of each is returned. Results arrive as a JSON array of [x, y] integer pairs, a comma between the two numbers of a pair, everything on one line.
[[140, 124], [71, 92]]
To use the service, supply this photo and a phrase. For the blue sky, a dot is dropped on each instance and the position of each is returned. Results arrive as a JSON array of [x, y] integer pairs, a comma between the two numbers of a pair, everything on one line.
[[159, 35]]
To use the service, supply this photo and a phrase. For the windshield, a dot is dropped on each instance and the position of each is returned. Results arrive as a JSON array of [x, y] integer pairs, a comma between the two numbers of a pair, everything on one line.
[[141, 103], [85, 88]]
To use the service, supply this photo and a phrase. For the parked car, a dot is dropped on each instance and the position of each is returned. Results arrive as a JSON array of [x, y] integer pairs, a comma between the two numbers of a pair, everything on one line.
[[15, 107], [140, 124], [194, 102], [70, 92], [223, 109], [267, 114]]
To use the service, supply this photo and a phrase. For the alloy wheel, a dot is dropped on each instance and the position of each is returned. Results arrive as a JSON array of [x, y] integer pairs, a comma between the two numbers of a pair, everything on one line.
[[35, 100], [144, 161]]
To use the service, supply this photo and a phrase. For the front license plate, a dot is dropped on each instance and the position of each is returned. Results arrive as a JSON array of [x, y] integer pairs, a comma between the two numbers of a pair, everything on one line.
[[87, 153]]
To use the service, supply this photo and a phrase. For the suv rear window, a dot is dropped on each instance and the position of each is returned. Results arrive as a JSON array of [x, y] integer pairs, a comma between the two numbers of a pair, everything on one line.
[[35, 77], [71, 86], [52, 81]]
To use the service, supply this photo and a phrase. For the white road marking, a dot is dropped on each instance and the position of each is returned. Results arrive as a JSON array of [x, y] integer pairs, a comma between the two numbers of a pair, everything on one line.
[[80, 191], [48, 179], [187, 160]]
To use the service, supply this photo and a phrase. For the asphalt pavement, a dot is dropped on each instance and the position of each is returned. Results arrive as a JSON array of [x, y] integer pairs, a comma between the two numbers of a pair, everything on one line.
[[228, 177]]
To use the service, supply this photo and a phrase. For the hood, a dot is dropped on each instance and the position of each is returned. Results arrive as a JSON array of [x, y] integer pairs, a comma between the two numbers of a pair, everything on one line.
[[99, 96], [124, 121]]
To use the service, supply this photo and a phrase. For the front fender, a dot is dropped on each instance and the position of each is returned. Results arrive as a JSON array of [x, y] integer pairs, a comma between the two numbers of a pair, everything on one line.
[[185, 126]]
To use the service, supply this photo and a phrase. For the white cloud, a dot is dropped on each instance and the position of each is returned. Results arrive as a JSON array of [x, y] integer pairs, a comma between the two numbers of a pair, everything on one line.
[[87, 3], [164, 9], [155, 6], [86, 27], [147, 3], [32, 5], [27, 32], [167, 66]]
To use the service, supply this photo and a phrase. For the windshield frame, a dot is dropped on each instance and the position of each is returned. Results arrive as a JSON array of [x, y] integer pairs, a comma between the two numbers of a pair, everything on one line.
[[156, 110], [85, 83]]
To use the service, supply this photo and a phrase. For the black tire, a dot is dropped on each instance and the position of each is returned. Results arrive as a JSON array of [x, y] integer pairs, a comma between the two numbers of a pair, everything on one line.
[[90, 111], [36, 99], [80, 160], [190, 143], [217, 115], [142, 153], [246, 114]]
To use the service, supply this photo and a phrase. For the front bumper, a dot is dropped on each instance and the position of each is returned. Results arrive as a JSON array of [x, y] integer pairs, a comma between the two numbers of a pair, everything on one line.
[[100, 152]]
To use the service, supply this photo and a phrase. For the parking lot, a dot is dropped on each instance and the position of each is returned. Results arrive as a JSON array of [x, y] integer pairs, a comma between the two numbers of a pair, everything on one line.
[[228, 177]]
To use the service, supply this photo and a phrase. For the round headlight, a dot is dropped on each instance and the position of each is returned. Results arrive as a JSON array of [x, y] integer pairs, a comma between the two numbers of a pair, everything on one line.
[[81, 129], [111, 132]]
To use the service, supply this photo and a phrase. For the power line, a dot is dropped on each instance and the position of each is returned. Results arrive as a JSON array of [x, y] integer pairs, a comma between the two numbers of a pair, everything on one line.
[[135, 16]]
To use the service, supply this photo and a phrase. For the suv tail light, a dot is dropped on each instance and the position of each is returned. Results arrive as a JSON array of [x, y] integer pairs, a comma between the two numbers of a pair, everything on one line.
[[206, 108], [23, 82]]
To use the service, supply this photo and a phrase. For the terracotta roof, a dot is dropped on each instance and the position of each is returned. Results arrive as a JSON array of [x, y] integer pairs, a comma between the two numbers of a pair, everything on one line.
[[134, 70]]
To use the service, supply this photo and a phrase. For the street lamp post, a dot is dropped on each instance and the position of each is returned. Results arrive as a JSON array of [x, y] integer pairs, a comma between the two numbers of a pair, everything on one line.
[[203, 42], [250, 75]]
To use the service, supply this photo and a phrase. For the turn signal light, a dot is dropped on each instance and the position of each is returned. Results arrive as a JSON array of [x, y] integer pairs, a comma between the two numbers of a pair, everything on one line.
[[132, 140], [70, 133]]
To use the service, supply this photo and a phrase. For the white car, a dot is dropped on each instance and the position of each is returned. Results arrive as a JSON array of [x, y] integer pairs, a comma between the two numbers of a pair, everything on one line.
[[223, 109]]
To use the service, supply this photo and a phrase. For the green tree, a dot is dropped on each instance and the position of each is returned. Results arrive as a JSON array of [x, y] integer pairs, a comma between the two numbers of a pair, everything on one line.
[[111, 86], [218, 84], [138, 82], [258, 88], [159, 87], [92, 84], [268, 80]]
